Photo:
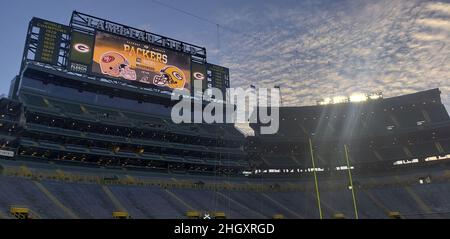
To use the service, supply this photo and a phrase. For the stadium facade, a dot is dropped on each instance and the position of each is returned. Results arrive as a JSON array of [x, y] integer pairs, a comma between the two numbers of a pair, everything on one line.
[[86, 132]]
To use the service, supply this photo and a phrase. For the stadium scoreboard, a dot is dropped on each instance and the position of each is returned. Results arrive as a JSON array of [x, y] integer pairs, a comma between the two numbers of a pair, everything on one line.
[[218, 77], [49, 40], [96, 47]]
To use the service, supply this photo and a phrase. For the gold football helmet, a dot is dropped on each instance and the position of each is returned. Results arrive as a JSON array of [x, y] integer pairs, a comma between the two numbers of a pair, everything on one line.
[[170, 76]]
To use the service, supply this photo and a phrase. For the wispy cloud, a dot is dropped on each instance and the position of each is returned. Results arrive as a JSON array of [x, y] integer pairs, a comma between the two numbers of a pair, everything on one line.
[[436, 23], [323, 48], [439, 7]]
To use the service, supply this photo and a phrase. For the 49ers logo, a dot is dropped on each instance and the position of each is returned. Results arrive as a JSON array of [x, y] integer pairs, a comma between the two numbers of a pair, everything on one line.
[[108, 59]]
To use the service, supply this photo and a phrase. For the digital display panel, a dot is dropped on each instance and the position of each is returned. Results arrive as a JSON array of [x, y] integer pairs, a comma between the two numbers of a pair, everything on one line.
[[81, 52], [49, 44], [199, 75], [127, 59], [218, 77]]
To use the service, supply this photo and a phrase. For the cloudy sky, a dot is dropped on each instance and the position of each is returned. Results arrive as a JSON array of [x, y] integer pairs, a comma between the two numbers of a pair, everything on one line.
[[312, 48]]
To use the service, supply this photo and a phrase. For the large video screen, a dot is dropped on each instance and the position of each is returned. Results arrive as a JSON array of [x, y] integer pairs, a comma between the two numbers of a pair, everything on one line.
[[123, 58]]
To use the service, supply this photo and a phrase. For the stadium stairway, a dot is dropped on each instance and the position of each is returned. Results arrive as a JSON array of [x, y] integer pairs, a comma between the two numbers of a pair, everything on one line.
[[369, 206], [436, 204], [283, 207], [87, 200], [199, 201], [118, 206], [26, 193], [213, 201], [180, 200], [433, 200], [337, 201], [244, 210], [260, 205], [302, 203], [67, 211], [397, 199], [419, 201], [149, 202]]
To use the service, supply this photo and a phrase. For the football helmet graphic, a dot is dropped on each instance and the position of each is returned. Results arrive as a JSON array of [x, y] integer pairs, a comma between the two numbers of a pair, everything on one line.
[[170, 76], [116, 65]]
